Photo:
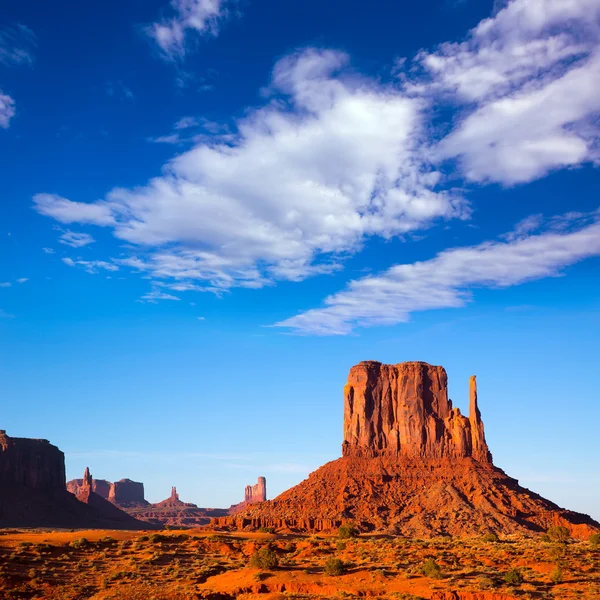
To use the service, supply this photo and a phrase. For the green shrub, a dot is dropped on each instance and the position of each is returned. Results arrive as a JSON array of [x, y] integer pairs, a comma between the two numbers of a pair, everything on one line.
[[557, 575], [341, 546], [266, 530], [559, 533], [431, 569], [490, 537], [265, 558], [347, 531], [155, 538], [335, 566], [107, 540], [80, 543], [513, 577], [595, 540]]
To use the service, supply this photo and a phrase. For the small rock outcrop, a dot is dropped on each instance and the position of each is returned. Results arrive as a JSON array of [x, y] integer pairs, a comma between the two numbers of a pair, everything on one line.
[[404, 410], [413, 465]]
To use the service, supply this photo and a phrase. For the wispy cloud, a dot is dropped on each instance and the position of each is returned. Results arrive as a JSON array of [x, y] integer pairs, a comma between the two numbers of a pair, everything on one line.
[[76, 240], [155, 295], [7, 110], [22, 279], [190, 19], [5, 284], [48, 251], [91, 266], [448, 280]]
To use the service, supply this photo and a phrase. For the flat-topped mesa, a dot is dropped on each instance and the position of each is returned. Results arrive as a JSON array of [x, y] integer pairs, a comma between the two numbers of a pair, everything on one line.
[[35, 464], [256, 493], [404, 410], [126, 492]]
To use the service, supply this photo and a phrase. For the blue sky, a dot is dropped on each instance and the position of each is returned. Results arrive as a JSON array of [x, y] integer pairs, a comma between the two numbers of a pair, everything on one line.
[[210, 210]]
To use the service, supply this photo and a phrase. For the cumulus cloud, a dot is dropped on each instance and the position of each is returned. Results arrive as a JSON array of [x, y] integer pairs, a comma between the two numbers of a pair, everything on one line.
[[76, 240], [329, 160], [527, 79], [190, 18], [448, 280]]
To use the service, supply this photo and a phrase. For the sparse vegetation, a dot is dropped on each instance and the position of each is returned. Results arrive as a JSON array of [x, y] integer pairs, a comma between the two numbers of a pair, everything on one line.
[[557, 575], [595, 540], [431, 569], [490, 538], [335, 566], [559, 533], [264, 558], [348, 530], [513, 577]]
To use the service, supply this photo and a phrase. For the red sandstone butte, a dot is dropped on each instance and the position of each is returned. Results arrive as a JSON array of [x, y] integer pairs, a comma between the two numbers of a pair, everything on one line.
[[404, 410], [412, 465]]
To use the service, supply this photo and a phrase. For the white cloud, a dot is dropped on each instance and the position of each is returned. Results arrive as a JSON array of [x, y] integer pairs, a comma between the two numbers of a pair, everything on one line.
[[186, 123], [17, 43], [48, 250], [5, 284], [65, 211], [191, 17], [76, 240], [528, 80], [447, 281], [7, 110], [22, 279], [91, 266], [155, 295], [329, 160], [201, 318]]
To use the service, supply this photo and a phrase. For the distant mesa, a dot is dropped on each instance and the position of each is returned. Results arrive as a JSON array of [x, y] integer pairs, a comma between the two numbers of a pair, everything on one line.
[[124, 493], [33, 490], [252, 495], [411, 464]]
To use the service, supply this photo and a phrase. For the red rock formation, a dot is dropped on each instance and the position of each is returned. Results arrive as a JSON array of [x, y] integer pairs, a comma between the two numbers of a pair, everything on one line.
[[256, 493], [125, 493], [404, 410], [175, 513], [411, 465], [100, 486], [35, 464], [33, 490]]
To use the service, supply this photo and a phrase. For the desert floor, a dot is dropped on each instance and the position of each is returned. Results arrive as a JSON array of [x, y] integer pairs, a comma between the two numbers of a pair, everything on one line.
[[197, 564]]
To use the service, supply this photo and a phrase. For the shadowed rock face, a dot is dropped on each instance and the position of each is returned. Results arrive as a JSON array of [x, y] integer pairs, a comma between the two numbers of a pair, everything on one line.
[[33, 490], [35, 464], [126, 492], [404, 410], [411, 465]]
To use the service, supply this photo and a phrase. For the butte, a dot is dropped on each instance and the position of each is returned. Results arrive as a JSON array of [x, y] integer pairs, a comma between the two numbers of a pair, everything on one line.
[[411, 465]]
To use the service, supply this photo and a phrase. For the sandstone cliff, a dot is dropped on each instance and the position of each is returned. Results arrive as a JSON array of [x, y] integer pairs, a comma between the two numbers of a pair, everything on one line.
[[411, 465], [404, 410], [124, 493]]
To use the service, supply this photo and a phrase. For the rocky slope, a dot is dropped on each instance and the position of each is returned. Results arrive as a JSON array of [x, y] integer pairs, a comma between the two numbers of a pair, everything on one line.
[[412, 465]]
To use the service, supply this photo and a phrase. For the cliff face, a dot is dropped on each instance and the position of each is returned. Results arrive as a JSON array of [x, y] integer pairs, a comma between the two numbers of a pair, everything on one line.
[[404, 410], [35, 464]]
